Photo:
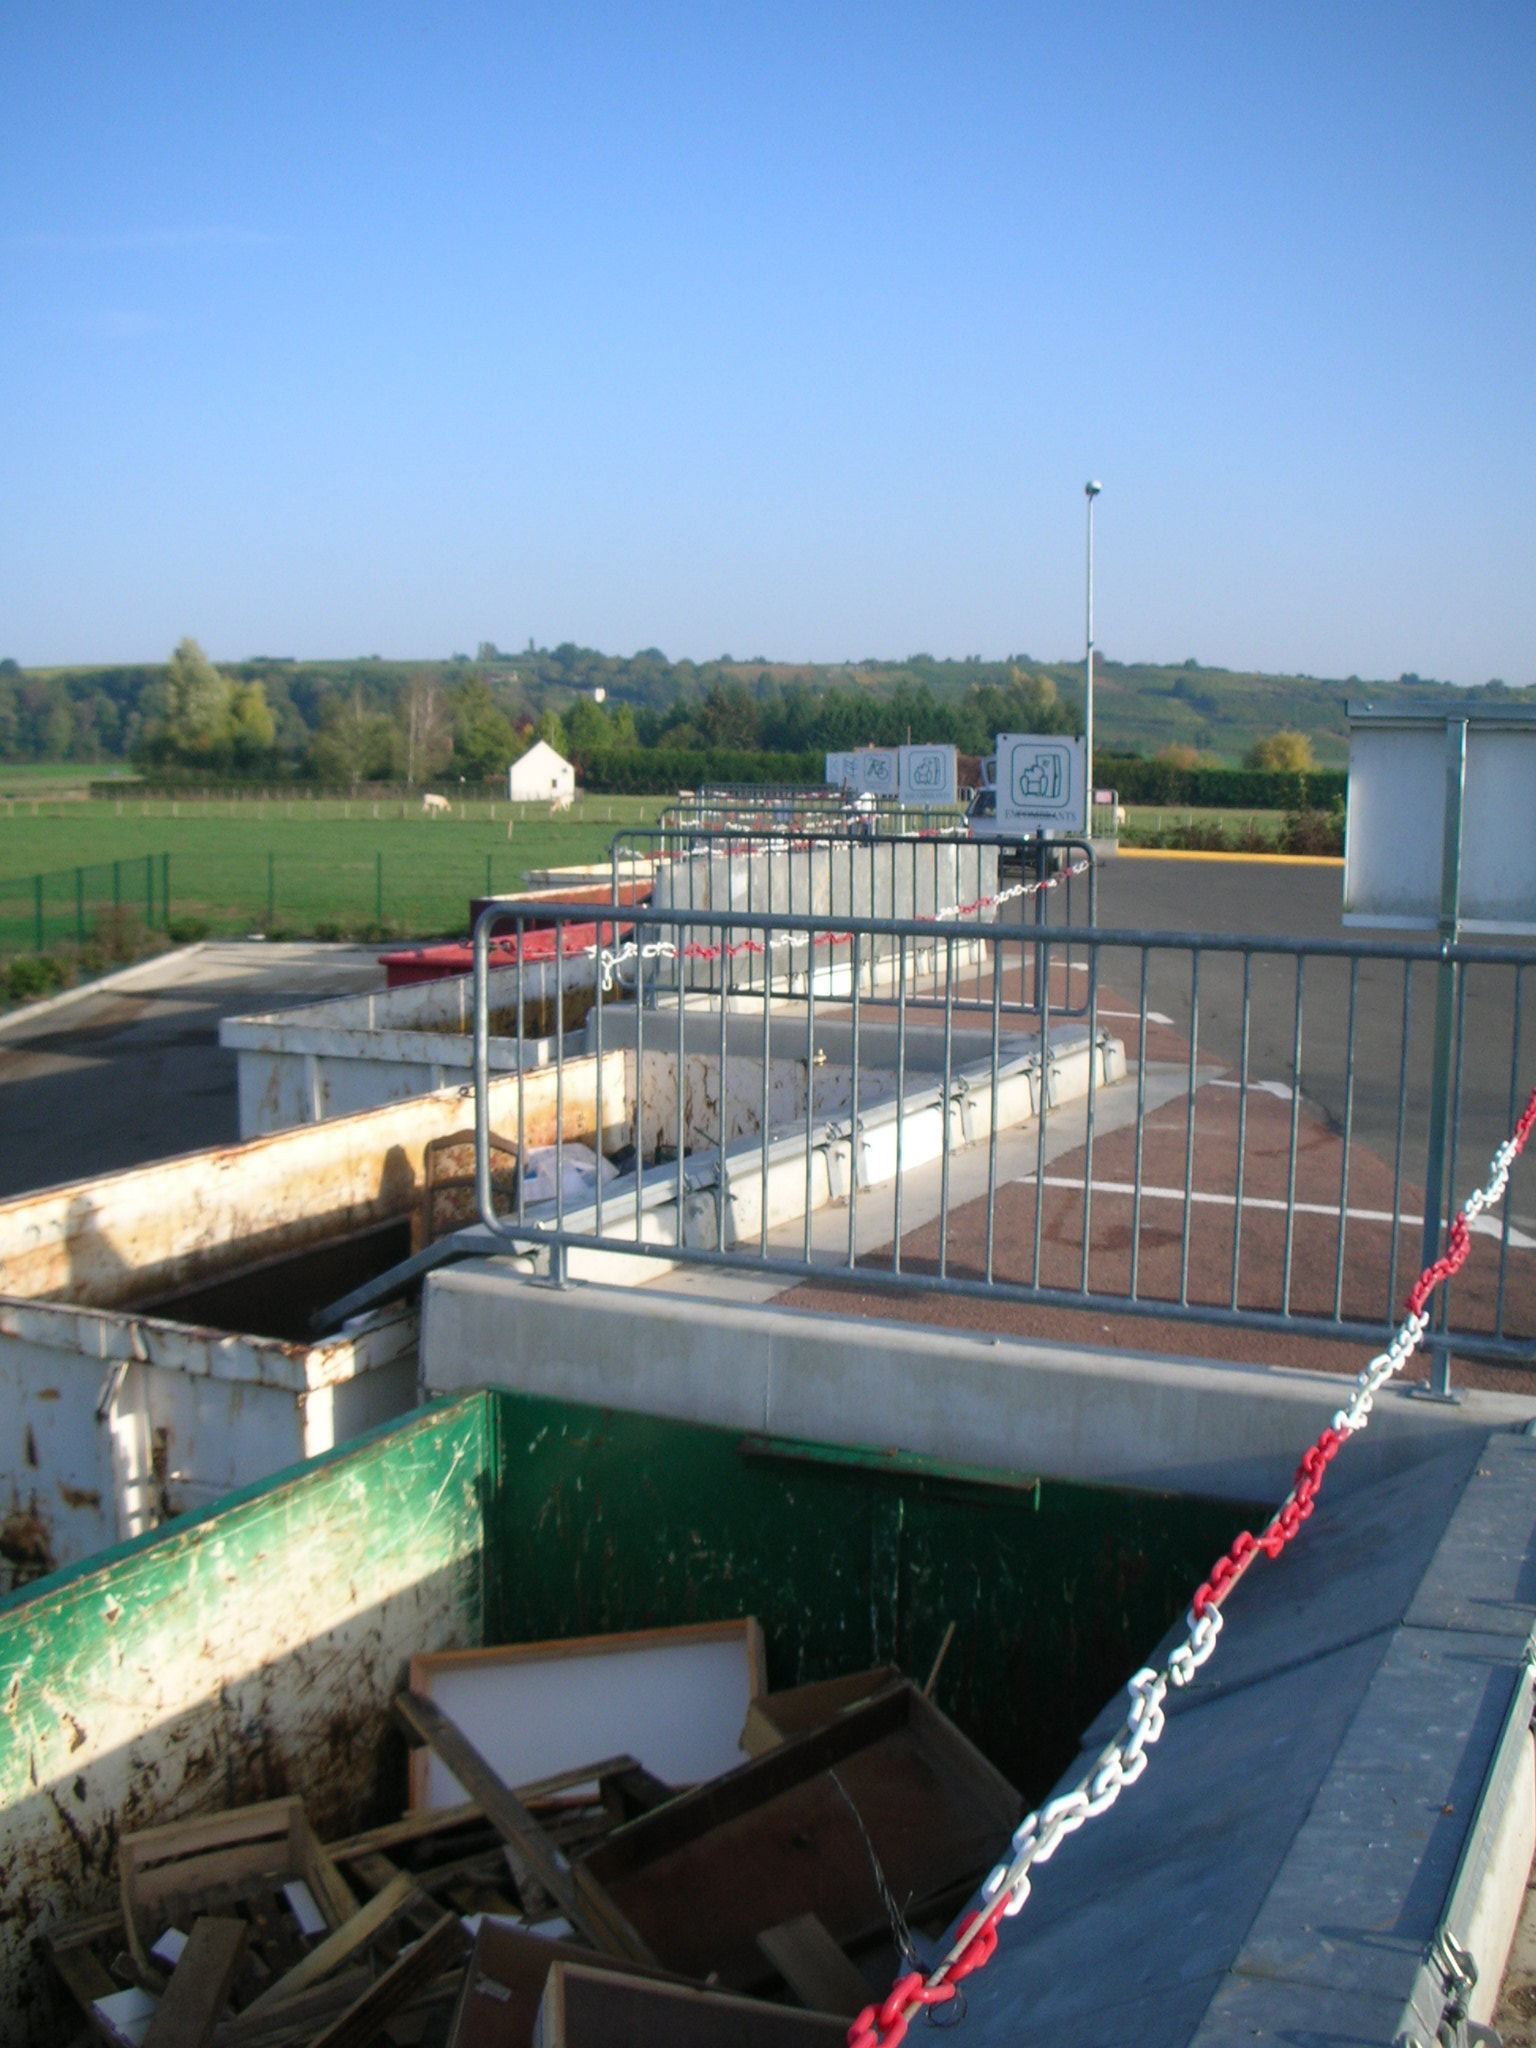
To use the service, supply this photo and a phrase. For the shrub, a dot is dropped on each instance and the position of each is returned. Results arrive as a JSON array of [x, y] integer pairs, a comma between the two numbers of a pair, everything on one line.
[[184, 931], [34, 974], [1315, 832]]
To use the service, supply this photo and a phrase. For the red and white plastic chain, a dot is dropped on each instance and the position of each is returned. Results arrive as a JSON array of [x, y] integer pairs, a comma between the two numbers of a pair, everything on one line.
[[664, 949], [1037, 1837]]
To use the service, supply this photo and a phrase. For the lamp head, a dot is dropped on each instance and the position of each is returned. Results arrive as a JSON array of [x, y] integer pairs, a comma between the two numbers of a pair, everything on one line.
[[1092, 490]]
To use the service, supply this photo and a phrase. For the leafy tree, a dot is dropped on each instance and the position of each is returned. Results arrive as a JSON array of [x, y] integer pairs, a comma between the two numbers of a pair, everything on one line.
[[428, 730], [1284, 753], [484, 743], [551, 730], [251, 726], [196, 701], [354, 744]]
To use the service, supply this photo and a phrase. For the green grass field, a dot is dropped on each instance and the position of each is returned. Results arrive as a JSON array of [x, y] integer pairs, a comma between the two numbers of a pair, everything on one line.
[[323, 861]]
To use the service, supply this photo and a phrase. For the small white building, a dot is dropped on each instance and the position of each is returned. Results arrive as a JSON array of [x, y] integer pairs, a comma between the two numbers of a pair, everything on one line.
[[540, 775]]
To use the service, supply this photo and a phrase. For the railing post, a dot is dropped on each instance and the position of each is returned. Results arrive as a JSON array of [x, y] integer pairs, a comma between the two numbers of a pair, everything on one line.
[[165, 889], [1436, 1193]]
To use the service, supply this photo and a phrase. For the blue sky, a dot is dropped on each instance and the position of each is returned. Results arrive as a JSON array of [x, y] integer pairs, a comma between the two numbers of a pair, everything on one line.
[[789, 330]]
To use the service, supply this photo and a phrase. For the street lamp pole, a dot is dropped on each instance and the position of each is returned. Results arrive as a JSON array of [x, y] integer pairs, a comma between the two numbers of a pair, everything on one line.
[[1090, 492]]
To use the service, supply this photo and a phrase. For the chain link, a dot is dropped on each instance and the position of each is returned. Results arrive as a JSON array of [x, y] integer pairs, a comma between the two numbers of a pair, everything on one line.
[[1039, 1834]]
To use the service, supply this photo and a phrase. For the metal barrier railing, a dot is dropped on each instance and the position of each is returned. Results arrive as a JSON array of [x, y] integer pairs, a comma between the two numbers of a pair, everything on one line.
[[842, 876], [777, 809], [1222, 1131]]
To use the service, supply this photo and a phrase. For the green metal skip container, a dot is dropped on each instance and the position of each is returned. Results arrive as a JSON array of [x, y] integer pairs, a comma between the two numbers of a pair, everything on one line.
[[253, 1650]]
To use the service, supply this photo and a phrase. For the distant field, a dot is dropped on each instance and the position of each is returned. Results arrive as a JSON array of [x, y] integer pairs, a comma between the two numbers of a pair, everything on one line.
[[1141, 818], [325, 865], [40, 777]]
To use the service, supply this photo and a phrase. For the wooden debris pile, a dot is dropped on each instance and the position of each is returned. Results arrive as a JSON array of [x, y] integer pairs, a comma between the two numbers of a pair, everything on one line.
[[626, 1895]]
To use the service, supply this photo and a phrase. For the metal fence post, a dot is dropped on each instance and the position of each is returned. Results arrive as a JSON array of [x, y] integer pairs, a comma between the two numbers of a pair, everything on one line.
[[271, 889], [117, 885], [378, 888], [1435, 1192], [165, 889], [37, 906], [80, 905]]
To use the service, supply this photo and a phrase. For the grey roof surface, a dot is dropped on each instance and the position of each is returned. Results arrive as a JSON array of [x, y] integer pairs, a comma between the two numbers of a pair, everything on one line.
[[1281, 1868]]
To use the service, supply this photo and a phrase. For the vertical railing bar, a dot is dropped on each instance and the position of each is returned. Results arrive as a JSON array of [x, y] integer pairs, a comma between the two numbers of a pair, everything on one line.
[[1043, 992], [767, 957], [1189, 1124], [522, 1061], [597, 1074], [810, 1085], [681, 1083], [1290, 1185], [558, 1256], [1349, 1120], [1093, 1068], [1242, 1126], [949, 1050], [1443, 1320], [1514, 1111], [997, 1029], [639, 1072], [901, 1089], [1402, 1117], [724, 941], [1141, 1123], [853, 1119]]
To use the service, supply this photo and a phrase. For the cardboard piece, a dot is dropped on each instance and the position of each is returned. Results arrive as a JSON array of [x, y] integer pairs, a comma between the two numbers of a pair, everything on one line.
[[778, 1715], [673, 1698], [700, 1878], [508, 1967], [584, 2008]]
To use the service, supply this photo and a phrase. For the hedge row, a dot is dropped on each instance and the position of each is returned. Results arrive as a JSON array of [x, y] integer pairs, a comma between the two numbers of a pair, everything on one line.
[[642, 771], [1233, 789]]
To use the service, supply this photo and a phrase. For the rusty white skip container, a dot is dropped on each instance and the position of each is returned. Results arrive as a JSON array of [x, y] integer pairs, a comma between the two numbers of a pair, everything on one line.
[[352, 1053], [154, 1324]]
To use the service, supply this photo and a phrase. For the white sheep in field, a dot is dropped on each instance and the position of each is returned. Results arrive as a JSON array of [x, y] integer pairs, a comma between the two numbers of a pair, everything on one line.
[[435, 806], [560, 803]]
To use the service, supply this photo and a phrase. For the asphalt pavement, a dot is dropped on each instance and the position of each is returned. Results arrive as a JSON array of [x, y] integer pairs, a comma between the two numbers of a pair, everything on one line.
[[121, 1075]]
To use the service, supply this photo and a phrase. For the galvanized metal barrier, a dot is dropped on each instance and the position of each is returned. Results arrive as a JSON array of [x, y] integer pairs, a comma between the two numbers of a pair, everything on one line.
[[933, 877], [1262, 1169], [781, 807]]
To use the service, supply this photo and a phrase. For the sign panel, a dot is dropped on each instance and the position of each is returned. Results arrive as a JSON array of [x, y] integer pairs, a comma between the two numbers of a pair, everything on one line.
[[865, 771], [1040, 783], [1394, 842], [927, 775]]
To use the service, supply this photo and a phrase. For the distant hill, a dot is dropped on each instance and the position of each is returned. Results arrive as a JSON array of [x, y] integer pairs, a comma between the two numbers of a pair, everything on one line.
[[101, 714]]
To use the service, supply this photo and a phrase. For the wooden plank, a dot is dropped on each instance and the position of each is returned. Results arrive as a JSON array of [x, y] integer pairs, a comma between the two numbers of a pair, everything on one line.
[[582, 1899], [814, 1967], [347, 1939], [585, 2008], [82, 1973], [299, 2015], [200, 1985], [362, 2022]]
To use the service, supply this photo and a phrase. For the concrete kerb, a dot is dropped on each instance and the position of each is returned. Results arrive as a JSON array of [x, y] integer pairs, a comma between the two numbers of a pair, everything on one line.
[[120, 978], [1112, 1418]]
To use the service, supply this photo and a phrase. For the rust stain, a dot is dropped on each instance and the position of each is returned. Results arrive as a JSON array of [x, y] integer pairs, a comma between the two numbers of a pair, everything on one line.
[[79, 1496], [26, 1545]]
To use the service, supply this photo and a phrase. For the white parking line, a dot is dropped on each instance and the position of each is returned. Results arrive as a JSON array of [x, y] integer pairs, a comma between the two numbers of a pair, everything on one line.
[[1482, 1226]]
